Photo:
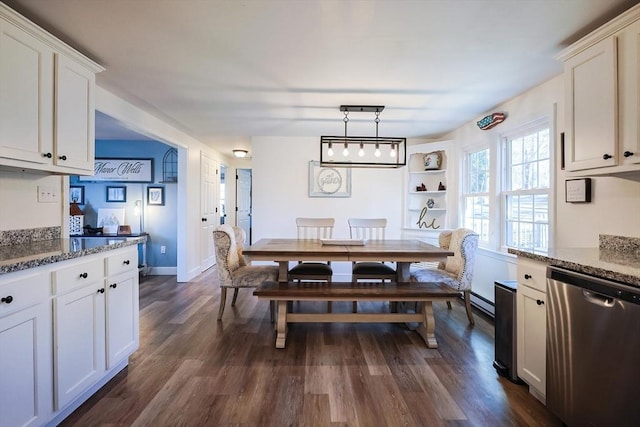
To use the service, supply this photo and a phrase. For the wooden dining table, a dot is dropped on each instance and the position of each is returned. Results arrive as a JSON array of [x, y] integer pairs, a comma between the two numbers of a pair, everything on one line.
[[401, 251]]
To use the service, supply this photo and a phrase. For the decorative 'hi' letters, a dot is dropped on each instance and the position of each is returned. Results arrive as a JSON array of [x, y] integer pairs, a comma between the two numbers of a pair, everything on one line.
[[423, 224]]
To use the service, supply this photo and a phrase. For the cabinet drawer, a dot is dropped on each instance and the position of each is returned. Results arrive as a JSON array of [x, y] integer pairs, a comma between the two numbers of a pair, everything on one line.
[[23, 292], [123, 261], [532, 274], [77, 275]]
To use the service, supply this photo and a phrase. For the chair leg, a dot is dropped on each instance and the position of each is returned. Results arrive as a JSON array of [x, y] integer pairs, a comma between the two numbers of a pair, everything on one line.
[[272, 305], [223, 299], [329, 303], [449, 304], [235, 297], [467, 304], [354, 304]]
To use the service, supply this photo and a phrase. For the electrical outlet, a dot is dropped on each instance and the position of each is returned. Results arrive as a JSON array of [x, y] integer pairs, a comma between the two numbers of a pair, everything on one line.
[[48, 194], [163, 249]]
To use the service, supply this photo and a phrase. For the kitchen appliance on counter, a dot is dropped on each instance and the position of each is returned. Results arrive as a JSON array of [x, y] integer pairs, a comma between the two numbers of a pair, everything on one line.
[[593, 349]]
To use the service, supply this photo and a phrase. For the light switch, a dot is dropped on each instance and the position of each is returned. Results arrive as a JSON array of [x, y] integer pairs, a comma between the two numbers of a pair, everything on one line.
[[48, 194]]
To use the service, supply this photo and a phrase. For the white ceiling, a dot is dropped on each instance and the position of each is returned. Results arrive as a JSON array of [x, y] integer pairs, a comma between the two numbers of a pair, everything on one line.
[[224, 71]]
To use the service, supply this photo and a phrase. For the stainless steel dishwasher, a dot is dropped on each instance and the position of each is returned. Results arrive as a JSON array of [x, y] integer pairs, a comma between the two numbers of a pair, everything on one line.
[[593, 350]]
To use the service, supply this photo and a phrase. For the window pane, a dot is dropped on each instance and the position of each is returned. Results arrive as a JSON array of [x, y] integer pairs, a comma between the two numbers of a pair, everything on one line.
[[516, 178], [530, 148], [543, 144], [516, 151], [543, 174]]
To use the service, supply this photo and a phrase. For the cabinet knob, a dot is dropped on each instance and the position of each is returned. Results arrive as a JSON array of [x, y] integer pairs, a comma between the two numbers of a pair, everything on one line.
[[126, 262], [606, 156], [527, 276], [627, 154], [84, 275], [47, 155], [539, 302], [63, 157], [204, 219], [7, 299], [115, 285], [101, 291]]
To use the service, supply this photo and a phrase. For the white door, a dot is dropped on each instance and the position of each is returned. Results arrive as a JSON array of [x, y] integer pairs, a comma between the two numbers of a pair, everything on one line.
[[209, 209], [243, 201]]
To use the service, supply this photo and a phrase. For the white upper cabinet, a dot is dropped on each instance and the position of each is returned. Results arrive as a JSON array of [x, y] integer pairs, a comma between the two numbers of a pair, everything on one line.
[[26, 88], [47, 103], [602, 98]]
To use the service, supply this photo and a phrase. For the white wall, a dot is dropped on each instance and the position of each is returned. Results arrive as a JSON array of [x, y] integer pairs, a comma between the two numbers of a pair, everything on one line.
[[20, 206]]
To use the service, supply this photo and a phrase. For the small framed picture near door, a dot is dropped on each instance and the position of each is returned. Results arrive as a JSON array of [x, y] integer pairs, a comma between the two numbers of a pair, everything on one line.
[[155, 196], [117, 194], [76, 194]]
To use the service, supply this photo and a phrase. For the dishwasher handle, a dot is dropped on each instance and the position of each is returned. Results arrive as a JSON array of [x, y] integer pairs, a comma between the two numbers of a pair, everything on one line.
[[598, 299]]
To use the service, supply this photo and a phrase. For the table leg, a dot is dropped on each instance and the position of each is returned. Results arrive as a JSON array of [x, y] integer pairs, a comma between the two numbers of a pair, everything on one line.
[[428, 325], [281, 328], [402, 272], [283, 271]]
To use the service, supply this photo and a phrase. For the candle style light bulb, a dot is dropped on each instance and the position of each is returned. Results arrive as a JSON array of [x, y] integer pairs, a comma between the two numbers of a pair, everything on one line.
[[361, 151], [392, 153], [377, 152], [330, 150], [346, 150]]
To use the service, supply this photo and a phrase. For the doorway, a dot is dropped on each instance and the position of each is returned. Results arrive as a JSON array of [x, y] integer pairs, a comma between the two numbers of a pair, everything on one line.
[[243, 201]]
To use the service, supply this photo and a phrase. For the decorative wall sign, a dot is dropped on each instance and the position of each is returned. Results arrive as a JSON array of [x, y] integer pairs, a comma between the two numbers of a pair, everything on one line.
[[578, 190], [121, 170], [492, 120], [328, 181]]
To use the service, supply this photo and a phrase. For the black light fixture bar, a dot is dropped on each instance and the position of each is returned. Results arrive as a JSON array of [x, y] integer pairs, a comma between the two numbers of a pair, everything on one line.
[[369, 161], [362, 108]]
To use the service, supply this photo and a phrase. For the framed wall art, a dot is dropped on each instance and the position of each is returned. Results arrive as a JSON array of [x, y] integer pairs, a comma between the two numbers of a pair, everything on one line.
[[329, 182], [155, 196], [116, 194], [121, 170], [76, 194], [578, 190]]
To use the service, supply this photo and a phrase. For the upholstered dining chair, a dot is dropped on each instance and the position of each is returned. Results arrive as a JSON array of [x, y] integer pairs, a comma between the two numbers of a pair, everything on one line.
[[457, 271], [233, 270], [313, 229], [371, 229]]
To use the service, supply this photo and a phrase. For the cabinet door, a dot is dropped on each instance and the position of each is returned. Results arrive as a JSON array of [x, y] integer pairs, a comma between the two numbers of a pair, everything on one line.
[[532, 335], [122, 317], [79, 333], [26, 97], [74, 121], [591, 98], [629, 94], [25, 366]]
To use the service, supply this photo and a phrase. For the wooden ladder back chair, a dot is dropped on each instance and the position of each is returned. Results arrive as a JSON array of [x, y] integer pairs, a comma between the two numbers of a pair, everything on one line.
[[313, 229], [370, 229]]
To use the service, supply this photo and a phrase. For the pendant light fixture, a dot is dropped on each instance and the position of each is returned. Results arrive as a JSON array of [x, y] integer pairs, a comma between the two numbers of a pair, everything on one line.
[[363, 151]]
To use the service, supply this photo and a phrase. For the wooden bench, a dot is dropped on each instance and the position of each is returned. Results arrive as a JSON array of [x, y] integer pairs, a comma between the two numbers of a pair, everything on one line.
[[423, 293]]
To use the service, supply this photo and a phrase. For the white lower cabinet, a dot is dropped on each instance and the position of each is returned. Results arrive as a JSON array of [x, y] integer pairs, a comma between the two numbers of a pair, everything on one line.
[[25, 350], [532, 326], [95, 324], [65, 330], [79, 331]]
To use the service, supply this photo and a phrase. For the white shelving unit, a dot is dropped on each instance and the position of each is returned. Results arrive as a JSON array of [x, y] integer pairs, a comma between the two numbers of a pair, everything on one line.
[[426, 212]]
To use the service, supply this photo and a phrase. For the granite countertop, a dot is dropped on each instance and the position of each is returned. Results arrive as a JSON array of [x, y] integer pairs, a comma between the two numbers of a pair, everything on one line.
[[30, 254], [614, 259]]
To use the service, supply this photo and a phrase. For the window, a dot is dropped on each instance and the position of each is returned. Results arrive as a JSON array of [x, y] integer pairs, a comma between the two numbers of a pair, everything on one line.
[[526, 189], [476, 193], [507, 192]]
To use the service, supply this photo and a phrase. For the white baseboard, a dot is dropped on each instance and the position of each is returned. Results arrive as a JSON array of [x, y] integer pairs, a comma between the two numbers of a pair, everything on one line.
[[163, 271]]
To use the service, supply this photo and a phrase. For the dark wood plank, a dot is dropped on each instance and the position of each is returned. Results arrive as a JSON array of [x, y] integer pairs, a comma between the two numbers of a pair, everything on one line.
[[192, 370], [359, 290]]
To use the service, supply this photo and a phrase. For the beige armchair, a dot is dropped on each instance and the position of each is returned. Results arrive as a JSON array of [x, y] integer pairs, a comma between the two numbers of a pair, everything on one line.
[[457, 271], [233, 270]]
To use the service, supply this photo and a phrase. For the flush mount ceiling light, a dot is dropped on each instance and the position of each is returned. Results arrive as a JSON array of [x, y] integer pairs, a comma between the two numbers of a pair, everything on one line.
[[240, 153], [363, 151]]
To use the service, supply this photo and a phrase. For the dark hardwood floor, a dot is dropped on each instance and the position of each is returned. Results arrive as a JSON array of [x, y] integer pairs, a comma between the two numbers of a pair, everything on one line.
[[192, 370]]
